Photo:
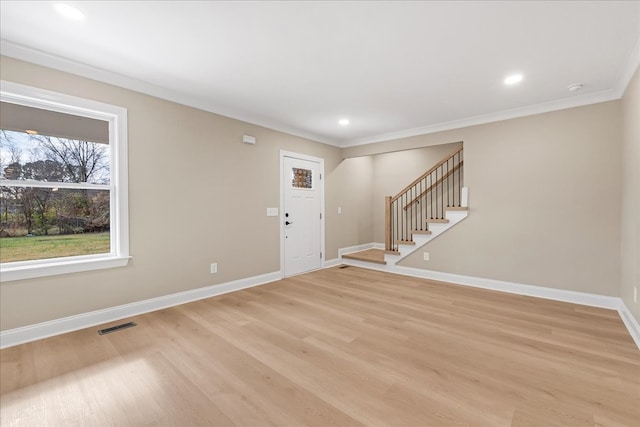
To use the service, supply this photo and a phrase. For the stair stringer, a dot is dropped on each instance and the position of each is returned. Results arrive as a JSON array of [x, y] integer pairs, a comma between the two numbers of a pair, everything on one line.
[[436, 229]]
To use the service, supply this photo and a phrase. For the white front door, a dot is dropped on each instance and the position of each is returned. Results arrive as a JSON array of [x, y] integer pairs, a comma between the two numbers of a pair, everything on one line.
[[301, 216]]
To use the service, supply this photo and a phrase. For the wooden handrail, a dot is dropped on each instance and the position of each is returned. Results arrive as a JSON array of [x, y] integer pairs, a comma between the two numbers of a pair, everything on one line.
[[434, 185], [424, 175]]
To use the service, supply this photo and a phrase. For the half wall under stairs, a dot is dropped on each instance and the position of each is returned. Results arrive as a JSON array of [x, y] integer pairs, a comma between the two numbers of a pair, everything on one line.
[[379, 259]]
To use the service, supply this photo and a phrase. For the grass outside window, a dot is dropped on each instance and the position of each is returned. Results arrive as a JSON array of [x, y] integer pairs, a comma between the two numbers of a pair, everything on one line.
[[14, 249]]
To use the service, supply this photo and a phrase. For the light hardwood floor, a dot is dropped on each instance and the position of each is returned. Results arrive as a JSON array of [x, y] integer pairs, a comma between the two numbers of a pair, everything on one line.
[[337, 347]]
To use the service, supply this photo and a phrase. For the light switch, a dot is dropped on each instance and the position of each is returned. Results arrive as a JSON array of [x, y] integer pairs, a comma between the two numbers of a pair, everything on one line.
[[272, 211]]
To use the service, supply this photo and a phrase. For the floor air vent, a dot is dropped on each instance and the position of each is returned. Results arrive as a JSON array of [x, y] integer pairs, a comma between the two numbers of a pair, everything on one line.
[[344, 266], [116, 328]]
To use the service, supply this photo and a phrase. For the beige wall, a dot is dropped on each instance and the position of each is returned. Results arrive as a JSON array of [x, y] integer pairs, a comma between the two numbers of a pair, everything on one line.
[[350, 183], [630, 225], [544, 195], [197, 195]]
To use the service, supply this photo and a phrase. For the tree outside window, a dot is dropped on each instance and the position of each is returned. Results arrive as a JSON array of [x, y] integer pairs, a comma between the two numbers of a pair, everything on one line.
[[45, 220]]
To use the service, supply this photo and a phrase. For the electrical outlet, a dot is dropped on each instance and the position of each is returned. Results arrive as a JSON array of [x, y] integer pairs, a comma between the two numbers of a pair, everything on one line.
[[635, 294], [214, 267], [426, 256]]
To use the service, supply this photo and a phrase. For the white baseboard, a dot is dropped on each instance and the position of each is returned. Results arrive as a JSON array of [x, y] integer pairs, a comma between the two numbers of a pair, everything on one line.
[[38, 331], [582, 298], [630, 322], [356, 248], [26, 334], [332, 263]]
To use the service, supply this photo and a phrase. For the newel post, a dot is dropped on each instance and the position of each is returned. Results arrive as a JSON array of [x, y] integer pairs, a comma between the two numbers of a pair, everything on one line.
[[387, 224]]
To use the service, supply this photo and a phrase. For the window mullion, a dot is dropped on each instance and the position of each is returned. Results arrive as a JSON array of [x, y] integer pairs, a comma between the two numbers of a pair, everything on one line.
[[48, 184]]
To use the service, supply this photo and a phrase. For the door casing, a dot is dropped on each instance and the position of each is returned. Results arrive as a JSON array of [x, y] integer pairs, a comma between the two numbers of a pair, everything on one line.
[[281, 218]]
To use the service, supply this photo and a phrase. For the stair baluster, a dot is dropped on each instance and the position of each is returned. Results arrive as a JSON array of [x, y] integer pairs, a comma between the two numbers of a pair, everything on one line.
[[423, 200]]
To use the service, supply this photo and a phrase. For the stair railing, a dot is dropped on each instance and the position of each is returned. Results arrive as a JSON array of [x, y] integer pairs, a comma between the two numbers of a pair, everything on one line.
[[423, 201]]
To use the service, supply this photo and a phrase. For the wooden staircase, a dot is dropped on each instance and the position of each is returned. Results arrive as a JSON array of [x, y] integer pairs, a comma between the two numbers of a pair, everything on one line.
[[433, 203]]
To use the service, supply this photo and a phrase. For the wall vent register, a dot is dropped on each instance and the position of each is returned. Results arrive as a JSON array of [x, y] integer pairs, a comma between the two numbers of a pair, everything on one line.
[[116, 328]]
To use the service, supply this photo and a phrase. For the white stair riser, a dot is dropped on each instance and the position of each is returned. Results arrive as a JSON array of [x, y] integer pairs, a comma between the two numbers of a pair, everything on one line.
[[420, 240]]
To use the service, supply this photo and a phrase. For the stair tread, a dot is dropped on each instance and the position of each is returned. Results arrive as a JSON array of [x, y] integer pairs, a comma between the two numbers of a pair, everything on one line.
[[370, 255], [421, 232], [437, 220], [456, 208]]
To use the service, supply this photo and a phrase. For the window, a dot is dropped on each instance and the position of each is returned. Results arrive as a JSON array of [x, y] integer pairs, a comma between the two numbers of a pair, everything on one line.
[[63, 184], [302, 178]]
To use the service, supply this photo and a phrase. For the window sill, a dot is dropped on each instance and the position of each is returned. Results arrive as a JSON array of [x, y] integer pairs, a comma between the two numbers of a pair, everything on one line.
[[56, 267]]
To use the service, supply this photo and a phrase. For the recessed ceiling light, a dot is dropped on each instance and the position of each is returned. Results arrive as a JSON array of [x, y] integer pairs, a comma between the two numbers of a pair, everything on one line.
[[343, 122], [513, 79], [69, 11]]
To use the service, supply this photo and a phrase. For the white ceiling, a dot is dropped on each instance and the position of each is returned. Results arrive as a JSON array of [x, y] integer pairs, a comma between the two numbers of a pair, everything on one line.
[[393, 68]]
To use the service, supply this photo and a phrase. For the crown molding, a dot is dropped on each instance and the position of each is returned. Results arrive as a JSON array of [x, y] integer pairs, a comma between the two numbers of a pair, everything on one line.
[[626, 74], [629, 69], [38, 57], [546, 107]]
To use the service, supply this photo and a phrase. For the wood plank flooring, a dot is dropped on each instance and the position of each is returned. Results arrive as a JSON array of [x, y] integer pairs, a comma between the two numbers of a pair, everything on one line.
[[337, 347]]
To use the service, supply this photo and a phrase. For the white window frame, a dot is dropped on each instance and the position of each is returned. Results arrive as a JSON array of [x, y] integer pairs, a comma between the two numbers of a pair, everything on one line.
[[119, 200]]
